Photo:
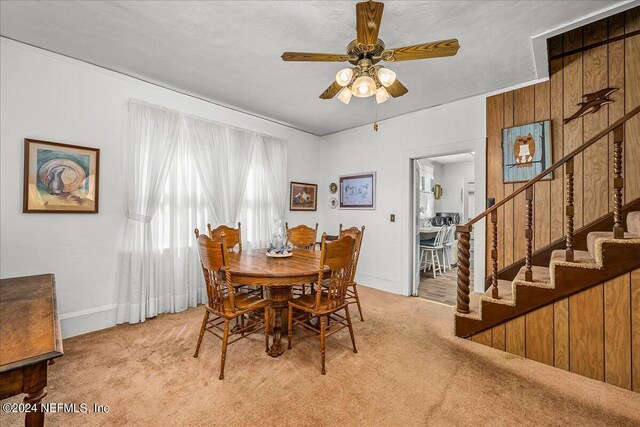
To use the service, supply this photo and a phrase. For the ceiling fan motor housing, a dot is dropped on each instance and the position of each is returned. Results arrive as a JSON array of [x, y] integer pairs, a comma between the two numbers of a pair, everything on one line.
[[356, 54]]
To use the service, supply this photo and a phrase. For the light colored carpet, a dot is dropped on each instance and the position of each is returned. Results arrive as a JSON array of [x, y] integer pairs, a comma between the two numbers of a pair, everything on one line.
[[410, 370]]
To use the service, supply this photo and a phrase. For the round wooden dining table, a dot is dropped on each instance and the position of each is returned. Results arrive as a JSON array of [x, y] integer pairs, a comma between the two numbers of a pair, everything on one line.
[[277, 275]]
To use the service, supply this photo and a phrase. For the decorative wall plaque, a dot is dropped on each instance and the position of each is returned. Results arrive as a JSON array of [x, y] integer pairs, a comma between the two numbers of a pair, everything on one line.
[[591, 102]]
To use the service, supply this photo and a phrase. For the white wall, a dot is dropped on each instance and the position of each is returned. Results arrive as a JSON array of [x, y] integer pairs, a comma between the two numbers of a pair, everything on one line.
[[450, 128], [51, 97], [54, 98], [452, 176]]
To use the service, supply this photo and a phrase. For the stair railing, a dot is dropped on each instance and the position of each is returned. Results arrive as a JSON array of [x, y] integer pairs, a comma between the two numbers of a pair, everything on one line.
[[464, 231]]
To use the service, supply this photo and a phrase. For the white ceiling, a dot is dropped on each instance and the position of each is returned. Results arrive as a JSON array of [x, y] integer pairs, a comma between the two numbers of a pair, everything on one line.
[[229, 52]]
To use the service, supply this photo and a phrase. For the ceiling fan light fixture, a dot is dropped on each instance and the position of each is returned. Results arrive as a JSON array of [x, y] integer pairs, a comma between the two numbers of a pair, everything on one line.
[[345, 95], [386, 76], [344, 76], [382, 95], [363, 87]]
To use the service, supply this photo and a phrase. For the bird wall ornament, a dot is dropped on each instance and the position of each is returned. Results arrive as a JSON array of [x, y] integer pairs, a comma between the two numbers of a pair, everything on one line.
[[591, 102]]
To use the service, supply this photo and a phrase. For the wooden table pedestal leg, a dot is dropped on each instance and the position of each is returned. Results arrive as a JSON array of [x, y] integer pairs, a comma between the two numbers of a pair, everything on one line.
[[279, 301], [35, 381]]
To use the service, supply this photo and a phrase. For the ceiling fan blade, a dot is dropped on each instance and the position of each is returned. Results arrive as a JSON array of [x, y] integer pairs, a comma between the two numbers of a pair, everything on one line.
[[368, 18], [331, 91], [422, 51], [397, 89], [314, 57]]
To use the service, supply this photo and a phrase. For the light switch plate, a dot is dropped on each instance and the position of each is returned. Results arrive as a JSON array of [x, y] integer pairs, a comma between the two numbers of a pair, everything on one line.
[[392, 218]]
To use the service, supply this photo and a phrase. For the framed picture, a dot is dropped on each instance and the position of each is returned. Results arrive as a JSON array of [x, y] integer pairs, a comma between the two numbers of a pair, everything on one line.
[[303, 196], [526, 151], [60, 178], [358, 191]]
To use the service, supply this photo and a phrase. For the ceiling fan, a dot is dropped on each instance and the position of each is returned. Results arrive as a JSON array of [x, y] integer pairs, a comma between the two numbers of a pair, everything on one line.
[[366, 78]]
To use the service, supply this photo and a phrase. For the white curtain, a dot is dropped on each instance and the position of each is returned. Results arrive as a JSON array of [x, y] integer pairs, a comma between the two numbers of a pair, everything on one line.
[[223, 157], [275, 165], [183, 207], [183, 172], [151, 146]]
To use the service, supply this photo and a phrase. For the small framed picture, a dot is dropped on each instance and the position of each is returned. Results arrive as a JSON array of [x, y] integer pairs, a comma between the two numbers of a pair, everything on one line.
[[60, 178], [358, 191], [526, 151], [303, 196]]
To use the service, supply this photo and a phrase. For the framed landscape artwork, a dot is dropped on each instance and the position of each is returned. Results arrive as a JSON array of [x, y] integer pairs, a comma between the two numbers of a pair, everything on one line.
[[358, 191], [526, 151], [303, 196], [60, 178]]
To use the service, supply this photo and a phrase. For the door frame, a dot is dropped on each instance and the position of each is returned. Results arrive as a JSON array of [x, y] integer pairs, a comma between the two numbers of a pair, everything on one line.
[[415, 218], [477, 145]]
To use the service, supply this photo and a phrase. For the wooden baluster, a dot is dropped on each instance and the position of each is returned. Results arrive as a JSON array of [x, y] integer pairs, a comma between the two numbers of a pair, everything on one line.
[[618, 182], [494, 255], [568, 169], [464, 232], [528, 273]]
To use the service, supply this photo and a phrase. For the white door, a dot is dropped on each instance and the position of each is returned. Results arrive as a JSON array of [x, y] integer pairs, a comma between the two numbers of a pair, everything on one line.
[[416, 227]]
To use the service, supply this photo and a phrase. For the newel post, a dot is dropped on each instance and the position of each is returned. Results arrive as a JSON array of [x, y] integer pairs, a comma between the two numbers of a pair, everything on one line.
[[464, 235], [618, 182]]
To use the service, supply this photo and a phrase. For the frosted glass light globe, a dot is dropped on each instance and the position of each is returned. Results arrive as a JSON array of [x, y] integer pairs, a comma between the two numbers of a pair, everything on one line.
[[386, 76], [363, 87], [381, 95], [344, 76], [345, 95]]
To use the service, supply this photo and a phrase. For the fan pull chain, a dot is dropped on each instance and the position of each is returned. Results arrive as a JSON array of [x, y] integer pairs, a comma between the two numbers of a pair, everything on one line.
[[375, 116]]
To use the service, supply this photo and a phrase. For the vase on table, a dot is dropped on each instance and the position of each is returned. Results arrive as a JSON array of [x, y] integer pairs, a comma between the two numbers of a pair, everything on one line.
[[279, 237]]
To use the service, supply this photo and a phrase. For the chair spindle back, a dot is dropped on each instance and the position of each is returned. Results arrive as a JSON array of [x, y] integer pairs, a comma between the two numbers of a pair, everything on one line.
[[357, 235], [440, 236], [450, 235], [338, 256], [215, 267]]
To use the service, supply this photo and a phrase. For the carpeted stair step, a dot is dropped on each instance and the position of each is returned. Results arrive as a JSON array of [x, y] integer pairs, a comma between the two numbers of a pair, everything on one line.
[[505, 293], [475, 312], [633, 222], [580, 259], [474, 307], [541, 277], [595, 235]]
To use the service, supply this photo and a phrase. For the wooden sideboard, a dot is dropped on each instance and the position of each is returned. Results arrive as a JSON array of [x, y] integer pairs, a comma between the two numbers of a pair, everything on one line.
[[29, 339]]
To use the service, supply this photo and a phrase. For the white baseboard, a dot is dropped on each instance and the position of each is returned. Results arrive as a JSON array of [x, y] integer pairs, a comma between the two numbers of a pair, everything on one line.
[[83, 321], [377, 282], [93, 319]]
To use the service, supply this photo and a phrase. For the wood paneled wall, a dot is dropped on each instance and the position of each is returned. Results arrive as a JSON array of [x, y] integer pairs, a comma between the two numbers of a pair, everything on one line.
[[612, 64], [594, 333]]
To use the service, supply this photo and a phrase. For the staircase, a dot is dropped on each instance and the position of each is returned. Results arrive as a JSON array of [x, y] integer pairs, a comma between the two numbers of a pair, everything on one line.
[[606, 257], [610, 255]]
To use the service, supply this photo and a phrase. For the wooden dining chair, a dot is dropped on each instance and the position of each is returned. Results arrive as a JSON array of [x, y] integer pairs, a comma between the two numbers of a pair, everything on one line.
[[223, 304], [234, 235], [234, 238], [352, 289], [329, 300], [302, 237]]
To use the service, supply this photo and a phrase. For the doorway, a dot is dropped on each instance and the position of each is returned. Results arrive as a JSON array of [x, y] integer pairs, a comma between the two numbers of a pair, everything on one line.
[[443, 197]]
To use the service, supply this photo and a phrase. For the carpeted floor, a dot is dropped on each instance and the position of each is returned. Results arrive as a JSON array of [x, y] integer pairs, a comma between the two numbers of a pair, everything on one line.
[[409, 370]]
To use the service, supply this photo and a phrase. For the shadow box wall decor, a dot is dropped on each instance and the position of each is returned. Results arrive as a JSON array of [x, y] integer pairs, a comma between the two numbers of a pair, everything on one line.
[[526, 151], [60, 178], [303, 196], [358, 191]]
